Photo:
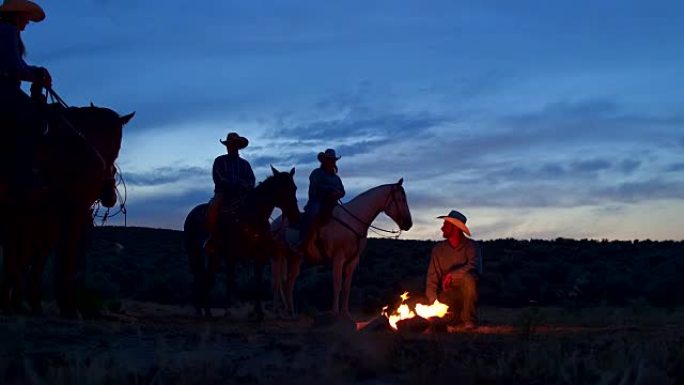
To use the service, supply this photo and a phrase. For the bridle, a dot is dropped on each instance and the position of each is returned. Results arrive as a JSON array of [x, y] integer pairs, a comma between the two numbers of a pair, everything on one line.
[[391, 198], [113, 171]]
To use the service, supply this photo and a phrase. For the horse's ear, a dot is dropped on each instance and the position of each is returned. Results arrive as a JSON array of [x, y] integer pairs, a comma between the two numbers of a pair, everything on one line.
[[292, 171], [401, 181], [126, 118], [91, 104], [275, 172]]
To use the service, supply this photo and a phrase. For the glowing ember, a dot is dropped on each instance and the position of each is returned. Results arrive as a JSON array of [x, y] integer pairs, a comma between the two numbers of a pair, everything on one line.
[[437, 309]]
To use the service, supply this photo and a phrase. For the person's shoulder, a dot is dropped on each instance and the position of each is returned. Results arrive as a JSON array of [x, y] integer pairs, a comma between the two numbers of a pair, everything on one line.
[[471, 243], [316, 171], [440, 245], [220, 157], [6, 27]]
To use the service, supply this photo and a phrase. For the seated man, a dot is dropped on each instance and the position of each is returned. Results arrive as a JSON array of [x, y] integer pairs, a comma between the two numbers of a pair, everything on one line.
[[325, 189], [452, 273], [233, 180]]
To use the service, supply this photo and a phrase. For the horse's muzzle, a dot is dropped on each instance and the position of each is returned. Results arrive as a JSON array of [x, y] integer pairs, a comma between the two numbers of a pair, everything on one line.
[[108, 195]]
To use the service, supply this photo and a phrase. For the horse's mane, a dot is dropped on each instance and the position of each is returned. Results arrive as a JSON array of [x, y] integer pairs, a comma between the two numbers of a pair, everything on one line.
[[262, 189]]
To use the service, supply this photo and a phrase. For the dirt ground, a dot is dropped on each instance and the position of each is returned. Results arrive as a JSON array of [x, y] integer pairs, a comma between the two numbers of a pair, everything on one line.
[[155, 344]]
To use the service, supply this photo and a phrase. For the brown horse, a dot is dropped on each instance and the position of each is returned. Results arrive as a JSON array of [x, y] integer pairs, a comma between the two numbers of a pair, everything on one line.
[[76, 160], [246, 236]]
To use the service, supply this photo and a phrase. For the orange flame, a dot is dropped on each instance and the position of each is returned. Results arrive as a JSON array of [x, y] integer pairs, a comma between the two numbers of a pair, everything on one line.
[[437, 309]]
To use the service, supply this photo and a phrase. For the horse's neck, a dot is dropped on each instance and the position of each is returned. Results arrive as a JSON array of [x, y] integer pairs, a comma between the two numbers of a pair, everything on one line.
[[260, 205], [85, 128], [365, 207]]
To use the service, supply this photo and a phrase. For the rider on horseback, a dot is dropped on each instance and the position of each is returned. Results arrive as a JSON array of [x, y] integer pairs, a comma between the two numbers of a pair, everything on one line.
[[325, 189], [21, 118], [233, 180]]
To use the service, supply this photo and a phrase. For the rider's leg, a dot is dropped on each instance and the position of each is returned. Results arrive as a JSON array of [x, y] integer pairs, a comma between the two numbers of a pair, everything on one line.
[[310, 225], [29, 126]]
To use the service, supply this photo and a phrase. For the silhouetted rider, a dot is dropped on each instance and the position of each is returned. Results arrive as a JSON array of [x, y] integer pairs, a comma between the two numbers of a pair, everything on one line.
[[21, 119], [233, 180], [325, 189]]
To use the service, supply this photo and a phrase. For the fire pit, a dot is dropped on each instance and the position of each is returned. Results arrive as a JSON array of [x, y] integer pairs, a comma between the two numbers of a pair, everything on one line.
[[404, 319]]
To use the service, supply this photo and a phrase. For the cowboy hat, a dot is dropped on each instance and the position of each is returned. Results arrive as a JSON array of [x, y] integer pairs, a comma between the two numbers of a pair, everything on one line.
[[328, 154], [238, 140], [34, 10], [457, 219]]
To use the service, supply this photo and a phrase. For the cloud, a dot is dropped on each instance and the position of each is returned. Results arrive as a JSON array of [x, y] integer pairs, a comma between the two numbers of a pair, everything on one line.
[[370, 127], [591, 165], [675, 167], [164, 175]]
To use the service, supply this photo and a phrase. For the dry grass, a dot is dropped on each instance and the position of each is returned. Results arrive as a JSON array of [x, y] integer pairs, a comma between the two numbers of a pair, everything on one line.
[[156, 344]]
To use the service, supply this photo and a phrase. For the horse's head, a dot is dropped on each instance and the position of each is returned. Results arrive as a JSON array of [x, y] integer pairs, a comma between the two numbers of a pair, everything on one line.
[[102, 130], [285, 193], [396, 206]]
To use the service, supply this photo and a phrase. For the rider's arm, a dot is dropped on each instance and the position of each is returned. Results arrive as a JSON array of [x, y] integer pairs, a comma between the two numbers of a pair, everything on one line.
[[13, 63], [340, 187], [217, 173], [248, 176], [472, 256], [315, 184]]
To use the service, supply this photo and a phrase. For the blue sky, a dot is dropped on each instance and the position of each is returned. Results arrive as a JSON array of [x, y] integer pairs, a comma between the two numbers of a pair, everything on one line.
[[536, 119]]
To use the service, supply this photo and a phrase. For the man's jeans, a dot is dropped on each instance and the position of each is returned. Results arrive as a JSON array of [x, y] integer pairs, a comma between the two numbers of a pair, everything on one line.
[[461, 298]]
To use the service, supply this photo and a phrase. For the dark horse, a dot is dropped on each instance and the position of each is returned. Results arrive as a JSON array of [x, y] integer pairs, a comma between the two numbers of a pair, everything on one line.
[[76, 160], [245, 235]]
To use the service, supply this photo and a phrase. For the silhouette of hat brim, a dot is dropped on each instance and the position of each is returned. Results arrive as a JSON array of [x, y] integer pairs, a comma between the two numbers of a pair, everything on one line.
[[462, 226], [35, 12], [240, 142], [322, 156]]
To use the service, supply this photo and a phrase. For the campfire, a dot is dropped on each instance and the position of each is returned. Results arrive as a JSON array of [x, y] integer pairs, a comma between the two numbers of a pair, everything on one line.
[[418, 319]]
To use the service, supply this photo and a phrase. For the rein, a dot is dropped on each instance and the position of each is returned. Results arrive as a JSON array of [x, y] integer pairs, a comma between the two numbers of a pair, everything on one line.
[[396, 233], [52, 94], [117, 171]]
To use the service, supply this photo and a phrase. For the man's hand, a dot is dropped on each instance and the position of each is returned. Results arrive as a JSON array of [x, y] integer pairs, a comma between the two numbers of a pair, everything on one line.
[[447, 280], [45, 78]]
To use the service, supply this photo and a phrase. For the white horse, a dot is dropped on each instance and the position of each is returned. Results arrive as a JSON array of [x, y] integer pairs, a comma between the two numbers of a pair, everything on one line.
[[343, 239]]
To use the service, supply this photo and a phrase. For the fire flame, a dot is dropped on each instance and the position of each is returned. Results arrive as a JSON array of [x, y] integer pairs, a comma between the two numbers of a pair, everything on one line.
[[437, 309]]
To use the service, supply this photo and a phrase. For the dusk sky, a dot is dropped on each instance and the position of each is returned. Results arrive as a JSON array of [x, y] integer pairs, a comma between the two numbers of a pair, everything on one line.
[[536, 119]]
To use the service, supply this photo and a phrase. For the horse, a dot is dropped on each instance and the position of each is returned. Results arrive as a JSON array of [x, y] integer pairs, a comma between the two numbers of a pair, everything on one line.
[[244, 235], [342, 240], [76, 161]]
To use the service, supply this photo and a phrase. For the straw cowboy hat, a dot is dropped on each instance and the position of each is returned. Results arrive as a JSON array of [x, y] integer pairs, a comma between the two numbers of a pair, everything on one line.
[[34, 10], [234, 138], [328, 154], [457, 219]]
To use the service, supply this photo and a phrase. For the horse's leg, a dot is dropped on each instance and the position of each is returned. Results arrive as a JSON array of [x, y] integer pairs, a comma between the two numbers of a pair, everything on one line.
[[294, 264], [71, 263], [256, 287], [10, 274], [66, 267], [230, 283], [349, 268], [213, 263], [198, 271], [277, 265], [36, 279], [338, 264]]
